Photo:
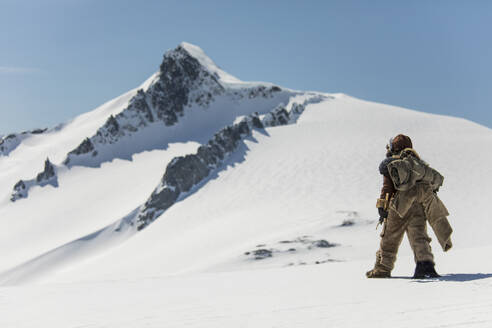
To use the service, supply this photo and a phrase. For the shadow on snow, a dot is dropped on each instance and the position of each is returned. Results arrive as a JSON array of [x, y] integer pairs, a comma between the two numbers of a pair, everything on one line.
[[458, 277]]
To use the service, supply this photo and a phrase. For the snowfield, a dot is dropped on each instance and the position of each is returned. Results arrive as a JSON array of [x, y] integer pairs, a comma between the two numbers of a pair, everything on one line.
[[279, 235], [330, 295]]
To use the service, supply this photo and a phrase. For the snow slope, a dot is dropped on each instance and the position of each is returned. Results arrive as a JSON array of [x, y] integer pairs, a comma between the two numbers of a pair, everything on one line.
[[279, 235], [331, 295]]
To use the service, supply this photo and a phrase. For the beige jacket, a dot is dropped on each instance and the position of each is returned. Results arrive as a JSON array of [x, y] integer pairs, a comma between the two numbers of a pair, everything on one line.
[[435, 211]]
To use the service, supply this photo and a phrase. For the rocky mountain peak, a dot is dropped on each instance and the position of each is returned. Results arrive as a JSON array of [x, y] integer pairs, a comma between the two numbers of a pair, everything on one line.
[[185, 60]]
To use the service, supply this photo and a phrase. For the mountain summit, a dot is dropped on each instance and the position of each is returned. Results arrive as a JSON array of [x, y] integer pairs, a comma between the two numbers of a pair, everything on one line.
[[198, 54], [187, 79]]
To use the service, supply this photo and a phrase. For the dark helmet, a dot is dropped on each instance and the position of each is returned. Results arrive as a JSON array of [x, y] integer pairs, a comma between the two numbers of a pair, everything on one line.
[[399, 143]]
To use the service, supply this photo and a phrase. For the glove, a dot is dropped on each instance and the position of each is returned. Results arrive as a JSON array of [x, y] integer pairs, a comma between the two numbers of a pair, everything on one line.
[[382, 214]]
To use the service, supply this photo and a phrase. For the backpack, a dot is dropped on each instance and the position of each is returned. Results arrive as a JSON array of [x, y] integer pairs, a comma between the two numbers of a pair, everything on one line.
[[407, 169]]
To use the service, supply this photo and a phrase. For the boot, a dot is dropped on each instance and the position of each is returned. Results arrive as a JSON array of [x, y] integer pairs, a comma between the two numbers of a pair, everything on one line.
[[425, 270], [378, 273]]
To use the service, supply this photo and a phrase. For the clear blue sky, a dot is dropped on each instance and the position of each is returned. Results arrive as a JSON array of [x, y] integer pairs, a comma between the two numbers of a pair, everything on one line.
[[60, 58]]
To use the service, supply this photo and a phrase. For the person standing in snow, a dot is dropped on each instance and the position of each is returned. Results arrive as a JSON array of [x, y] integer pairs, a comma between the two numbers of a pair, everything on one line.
[[408, 201]]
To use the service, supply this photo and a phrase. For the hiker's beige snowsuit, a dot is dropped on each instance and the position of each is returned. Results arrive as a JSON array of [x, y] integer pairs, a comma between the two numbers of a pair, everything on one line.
[[408, 212]]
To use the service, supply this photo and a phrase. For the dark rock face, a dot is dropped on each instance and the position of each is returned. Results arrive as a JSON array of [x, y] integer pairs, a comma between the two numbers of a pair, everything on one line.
[[20, 185], [39, 131], [161, 200], [9, 143], [85, 147], [48, 176], [180, 73], [20, 191], [141, 107], [323, 244], [279, 116], [263, 91], [182, 81], [261, 254], [184, 172], [112, 126], [48, 173]]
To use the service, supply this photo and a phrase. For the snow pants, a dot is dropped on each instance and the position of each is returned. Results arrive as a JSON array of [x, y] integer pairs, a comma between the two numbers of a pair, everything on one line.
[[414, 223]]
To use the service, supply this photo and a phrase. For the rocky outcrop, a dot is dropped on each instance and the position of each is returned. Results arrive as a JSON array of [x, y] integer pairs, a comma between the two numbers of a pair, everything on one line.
[[47, 176], [20, 191], [260, 254], [85, 147], [323, 244], [300, 246], [185, 172], [182, 80], [48, 172], [38, 131], [12, 141], [8, 143]]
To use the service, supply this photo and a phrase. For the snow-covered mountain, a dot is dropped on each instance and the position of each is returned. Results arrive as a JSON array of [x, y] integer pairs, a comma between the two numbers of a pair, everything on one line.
[[197, 183]]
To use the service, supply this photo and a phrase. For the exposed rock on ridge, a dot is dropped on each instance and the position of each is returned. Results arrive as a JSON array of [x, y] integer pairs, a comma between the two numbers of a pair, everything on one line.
[[48, 176], [12, 141], [185, 172]]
